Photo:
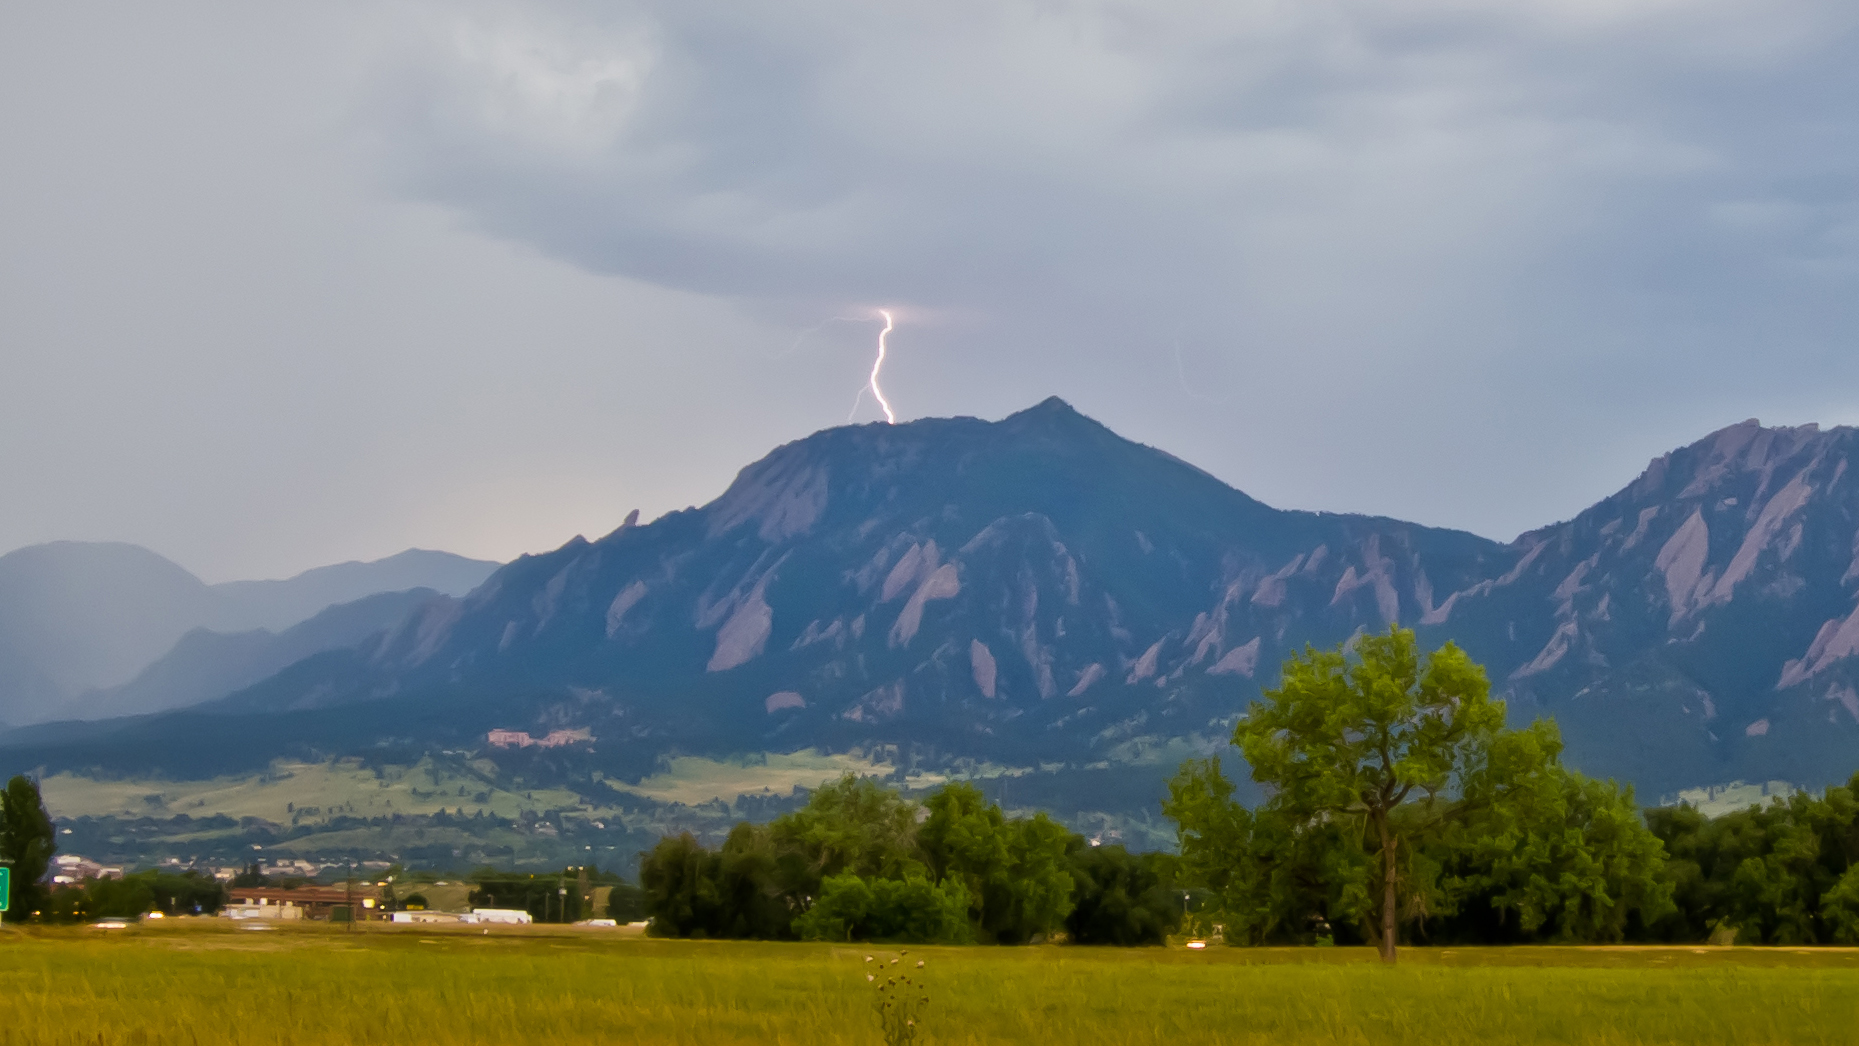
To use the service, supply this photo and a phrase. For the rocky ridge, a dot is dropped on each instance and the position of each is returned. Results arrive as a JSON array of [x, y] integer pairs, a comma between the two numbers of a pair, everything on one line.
[[1040, 592]]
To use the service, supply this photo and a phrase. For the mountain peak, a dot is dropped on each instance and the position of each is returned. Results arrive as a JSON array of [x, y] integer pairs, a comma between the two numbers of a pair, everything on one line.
[[1735, 452], [1050, 405], [1053, 416], [1051, 411]]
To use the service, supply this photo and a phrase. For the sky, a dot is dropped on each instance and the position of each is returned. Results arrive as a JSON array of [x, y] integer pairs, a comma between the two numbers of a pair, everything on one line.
[[289, 284]]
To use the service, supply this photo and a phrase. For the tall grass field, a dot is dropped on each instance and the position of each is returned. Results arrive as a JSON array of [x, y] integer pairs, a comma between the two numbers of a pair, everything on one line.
[[197, 981]]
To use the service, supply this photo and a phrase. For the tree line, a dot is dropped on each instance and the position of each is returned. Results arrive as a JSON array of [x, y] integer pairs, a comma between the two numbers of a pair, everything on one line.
[[28, 842], [135, 894], [1399, 808], [862, 862]]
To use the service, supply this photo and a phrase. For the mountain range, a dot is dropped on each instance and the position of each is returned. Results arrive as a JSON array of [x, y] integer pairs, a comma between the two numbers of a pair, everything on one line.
[[1042, 599], [80, 622]]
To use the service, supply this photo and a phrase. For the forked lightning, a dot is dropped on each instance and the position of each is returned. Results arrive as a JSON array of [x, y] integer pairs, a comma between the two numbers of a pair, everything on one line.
[[878, 364]]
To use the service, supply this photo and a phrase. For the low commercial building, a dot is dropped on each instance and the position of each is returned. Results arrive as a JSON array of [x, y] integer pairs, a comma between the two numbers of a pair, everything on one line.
[[267, 912], [307, 902], [71, 868], [511, 916], [429, 917]]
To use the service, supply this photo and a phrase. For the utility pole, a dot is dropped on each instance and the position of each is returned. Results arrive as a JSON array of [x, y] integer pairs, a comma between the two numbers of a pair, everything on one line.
[[351, 886]]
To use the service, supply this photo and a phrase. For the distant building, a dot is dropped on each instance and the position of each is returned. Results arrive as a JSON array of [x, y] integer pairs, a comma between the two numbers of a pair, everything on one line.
[[521, 738], [265, 911], [431, 917], [71, 868], [297, 868], [306, 902], [512, 916]]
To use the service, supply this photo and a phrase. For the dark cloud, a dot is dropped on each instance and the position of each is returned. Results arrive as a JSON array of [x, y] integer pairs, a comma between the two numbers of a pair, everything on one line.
[[1155, 151], [1550, 214], [1463, 261]]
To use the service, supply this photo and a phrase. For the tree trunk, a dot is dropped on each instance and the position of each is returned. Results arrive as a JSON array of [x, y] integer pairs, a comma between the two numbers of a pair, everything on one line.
[[1390, 893]]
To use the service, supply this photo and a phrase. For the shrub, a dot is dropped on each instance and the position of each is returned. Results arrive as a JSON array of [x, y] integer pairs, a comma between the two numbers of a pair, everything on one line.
[[912, 910]]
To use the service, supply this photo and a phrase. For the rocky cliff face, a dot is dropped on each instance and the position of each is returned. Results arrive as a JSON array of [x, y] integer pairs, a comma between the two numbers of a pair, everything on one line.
[[1033, 589], [1697, 626], [1039, 591]]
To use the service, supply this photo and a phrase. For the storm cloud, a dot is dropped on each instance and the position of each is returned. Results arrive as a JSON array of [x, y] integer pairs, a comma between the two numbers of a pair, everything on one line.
[[1464, 262]]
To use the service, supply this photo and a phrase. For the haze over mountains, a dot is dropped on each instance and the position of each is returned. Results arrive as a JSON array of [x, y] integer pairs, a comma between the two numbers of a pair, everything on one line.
[[1039, 593], [79, 621]]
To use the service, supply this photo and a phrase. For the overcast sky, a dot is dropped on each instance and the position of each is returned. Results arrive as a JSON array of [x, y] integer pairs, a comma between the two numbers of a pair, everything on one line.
[[285, 284]]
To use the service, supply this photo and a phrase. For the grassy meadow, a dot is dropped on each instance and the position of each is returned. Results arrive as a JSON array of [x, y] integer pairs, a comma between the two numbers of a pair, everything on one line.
[[187, 981], [346, 786]]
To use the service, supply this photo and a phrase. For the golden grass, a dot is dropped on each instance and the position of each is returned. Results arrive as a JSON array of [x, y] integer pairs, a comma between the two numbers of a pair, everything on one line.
[[345, 786], [693, 779], [204, 982], [338, 787]]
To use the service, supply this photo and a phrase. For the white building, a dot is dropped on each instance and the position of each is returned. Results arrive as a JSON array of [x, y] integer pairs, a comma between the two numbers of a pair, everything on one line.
[[511, 916], [70, 868], [264, 909], [432, 917]]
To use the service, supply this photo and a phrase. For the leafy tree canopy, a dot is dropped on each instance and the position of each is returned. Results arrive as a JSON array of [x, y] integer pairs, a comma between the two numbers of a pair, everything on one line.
[[861, 860], [1015, 873], [1780, 873], [1122, 898], [27, 843], [1398, 799]]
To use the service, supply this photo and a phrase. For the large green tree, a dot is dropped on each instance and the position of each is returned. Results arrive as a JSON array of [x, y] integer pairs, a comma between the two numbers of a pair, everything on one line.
[[27, 843], [1015, 872], [1121, 898], [679, 879], [1394, 744], [1563, 857], [853, 825], [1270, 875]]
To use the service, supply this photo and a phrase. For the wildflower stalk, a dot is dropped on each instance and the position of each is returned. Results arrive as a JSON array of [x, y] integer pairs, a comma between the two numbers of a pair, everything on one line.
[[900, 1000]]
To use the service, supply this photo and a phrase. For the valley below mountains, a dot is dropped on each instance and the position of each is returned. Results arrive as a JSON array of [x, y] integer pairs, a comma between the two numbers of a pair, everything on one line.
[[1046, 607]]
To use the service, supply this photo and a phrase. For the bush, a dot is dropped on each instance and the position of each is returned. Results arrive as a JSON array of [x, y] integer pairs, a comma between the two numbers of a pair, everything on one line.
[[1122, 898], [909, 911]]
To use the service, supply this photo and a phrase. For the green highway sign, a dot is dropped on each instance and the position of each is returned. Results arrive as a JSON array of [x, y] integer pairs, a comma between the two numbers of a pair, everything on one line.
[[6, 887]]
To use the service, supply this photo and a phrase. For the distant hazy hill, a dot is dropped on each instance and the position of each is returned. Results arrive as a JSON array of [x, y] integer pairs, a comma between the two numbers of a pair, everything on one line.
[[277, 605], [76, 617], [1041, 593], [205, 664]]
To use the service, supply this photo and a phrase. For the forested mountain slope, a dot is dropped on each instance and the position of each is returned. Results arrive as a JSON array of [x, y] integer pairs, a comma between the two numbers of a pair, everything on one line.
[[1041, 592]]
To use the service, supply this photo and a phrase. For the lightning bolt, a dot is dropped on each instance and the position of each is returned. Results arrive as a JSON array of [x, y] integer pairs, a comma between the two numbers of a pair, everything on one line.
[[878, 364]]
